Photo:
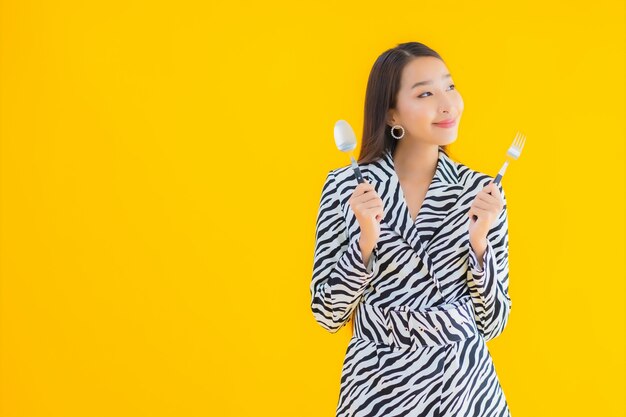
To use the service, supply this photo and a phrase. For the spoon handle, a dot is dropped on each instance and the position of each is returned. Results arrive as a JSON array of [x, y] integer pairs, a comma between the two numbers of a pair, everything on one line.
[[357, 171]]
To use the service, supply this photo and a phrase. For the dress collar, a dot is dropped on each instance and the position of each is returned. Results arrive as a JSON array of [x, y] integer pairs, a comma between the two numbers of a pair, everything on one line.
[[384, 168]]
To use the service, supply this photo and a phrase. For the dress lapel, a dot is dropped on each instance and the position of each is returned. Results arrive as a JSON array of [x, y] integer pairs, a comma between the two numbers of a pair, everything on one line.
[[442, 195]]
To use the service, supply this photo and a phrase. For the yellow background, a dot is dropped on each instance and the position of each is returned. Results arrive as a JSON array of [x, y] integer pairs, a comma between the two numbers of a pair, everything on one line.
[[161, 169]]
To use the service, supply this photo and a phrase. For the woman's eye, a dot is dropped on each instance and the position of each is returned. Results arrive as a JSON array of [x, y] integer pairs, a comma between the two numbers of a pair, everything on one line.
[[428, 92]]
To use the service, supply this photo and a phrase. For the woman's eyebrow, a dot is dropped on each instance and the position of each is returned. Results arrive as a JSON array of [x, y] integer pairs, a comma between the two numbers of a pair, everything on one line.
[[429, 81]]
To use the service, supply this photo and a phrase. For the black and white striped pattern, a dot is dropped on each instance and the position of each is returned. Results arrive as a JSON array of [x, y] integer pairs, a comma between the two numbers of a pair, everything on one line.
[[423, 308]]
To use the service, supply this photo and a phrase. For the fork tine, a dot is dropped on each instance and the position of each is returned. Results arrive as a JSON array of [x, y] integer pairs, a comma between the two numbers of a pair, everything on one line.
[[519, 141]]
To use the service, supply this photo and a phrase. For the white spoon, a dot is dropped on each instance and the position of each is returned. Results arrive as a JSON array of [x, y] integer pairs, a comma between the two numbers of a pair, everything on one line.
[[345, 140]]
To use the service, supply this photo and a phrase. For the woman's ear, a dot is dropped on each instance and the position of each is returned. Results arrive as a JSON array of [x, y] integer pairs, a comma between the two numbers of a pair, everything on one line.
[[391, 117]]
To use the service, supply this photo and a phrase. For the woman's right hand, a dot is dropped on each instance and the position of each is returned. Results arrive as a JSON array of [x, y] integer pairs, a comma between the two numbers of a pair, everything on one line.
[[368, 209]]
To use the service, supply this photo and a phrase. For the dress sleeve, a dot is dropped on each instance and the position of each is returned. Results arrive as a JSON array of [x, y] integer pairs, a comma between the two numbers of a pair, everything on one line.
[[339, 274], [489, 285]]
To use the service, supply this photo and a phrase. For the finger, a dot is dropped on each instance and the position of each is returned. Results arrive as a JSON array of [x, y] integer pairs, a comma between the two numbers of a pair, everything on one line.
[[487, 188], [367, 197], [488, 198], [483, 205], [495, 190], [379, 215], [371, 205], [365, 186], [477, 211], [372, 212], [375, 209], [497, 194], [361, 189]]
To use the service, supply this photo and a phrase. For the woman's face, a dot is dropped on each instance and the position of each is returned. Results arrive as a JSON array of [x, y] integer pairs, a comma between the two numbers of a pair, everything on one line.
[[419, 108]]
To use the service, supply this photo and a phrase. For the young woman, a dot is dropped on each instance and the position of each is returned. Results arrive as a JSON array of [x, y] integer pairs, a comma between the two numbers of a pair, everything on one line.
[[418, 254]]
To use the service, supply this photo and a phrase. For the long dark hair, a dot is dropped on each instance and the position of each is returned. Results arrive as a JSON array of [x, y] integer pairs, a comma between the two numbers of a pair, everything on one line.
[[382, 90]]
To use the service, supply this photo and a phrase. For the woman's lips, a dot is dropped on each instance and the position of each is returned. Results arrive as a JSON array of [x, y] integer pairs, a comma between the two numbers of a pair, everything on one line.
[[446, 124]]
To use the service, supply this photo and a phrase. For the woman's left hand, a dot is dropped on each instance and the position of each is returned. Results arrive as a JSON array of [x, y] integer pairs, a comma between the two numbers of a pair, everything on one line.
[[486, 207]]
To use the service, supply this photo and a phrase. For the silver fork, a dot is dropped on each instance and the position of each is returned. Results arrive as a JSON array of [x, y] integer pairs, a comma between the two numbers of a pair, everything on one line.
[[515, 150]]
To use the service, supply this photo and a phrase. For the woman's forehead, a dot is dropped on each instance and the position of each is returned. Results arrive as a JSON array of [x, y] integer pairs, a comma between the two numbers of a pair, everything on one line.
[[424, 71]]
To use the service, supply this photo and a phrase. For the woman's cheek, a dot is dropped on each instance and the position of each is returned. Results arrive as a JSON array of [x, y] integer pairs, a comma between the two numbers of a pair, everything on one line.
[[460, 104], [419, 114]]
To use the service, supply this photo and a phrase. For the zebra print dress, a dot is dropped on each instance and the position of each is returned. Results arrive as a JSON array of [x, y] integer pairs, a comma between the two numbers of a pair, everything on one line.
[[423, 308]]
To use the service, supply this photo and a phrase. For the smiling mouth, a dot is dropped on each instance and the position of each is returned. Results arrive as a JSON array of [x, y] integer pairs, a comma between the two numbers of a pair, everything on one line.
[[446, 123]]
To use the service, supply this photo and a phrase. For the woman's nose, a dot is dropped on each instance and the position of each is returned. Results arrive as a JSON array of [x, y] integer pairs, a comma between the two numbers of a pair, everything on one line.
[[446, 105]]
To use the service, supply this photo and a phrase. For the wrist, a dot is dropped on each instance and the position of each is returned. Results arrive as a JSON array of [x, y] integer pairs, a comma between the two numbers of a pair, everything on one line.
[[366, 242], [479, 244]]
